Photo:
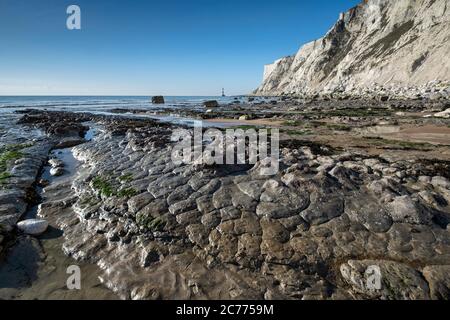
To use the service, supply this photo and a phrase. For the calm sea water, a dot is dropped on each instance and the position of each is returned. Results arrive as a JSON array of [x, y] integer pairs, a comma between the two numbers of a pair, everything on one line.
[[100, 103]]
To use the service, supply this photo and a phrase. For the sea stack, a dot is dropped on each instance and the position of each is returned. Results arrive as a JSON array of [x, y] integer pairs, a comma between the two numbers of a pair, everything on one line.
[[158, 100]]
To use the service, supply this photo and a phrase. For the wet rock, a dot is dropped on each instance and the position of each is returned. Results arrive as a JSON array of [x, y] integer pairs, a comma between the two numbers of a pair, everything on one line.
[[149, 256], [424, 179], [7, 209], [438, 278], [21, 266], [369, 213], [230, 213], [182, 206], [274, 230], [291, 200], [252, 189], [197, 234], [323, 208], [440, 182], [386, 280], [190, 217], [33, 227], [136, 203], [433, 199], [248, 251], [273, 210], [43, 183], [281, 233], [211, 220], [406, 209], [221, 198], [11, 196]]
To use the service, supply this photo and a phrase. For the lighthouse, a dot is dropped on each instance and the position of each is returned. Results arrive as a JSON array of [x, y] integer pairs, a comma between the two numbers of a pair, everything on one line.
[[223, 92]]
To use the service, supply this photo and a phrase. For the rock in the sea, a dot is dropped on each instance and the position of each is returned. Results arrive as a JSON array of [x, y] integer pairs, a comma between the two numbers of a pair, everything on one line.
[[56, 172], [211, 104], [33, 227], [158, 100]]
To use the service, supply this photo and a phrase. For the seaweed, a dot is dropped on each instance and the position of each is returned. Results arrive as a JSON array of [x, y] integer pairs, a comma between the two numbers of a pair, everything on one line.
[[127, 193], [103, 186], [126, 177]]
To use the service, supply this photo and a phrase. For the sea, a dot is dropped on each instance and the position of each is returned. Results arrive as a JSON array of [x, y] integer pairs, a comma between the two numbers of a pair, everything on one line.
[[101, 104]]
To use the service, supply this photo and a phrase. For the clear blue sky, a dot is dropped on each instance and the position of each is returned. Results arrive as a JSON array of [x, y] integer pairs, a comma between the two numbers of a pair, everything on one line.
[[137, 47]]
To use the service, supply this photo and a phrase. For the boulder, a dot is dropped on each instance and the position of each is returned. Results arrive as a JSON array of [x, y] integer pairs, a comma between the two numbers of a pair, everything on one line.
[[33, 227], [55, 163], [247, 117], [444, 114], [211, 104], [56, 172], [158, 100]]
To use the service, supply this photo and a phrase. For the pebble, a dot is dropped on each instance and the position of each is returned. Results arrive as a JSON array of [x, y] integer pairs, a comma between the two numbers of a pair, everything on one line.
[[33, 227]]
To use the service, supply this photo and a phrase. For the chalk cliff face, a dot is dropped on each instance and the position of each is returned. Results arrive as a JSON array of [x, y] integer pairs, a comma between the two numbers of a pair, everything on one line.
[[392, 45]]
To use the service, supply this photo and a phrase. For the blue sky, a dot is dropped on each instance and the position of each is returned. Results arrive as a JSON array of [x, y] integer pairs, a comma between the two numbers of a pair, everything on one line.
[[137, 47]]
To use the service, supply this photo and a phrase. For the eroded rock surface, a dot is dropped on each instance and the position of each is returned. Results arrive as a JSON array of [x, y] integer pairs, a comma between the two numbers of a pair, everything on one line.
[[159, 230]]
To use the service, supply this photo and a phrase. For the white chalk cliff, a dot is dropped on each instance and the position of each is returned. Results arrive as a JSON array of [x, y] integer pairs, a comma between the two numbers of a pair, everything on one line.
[[388, 44]]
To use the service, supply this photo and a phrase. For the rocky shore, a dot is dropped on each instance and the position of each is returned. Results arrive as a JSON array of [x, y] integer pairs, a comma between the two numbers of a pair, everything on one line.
[[337, 207], [23, 153]]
